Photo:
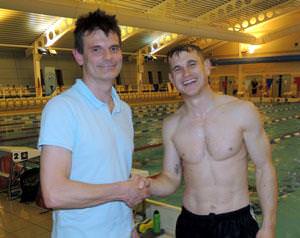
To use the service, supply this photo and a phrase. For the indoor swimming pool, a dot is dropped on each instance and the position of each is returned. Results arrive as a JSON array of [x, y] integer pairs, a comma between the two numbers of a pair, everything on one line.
[[282, 124]]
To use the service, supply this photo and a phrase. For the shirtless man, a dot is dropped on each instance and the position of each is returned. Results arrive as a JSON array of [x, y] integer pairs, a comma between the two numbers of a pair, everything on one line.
[[208, 141]]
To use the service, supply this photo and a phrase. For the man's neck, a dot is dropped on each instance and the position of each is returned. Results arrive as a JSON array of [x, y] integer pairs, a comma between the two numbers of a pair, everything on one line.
[[202, 103], [101, 89]]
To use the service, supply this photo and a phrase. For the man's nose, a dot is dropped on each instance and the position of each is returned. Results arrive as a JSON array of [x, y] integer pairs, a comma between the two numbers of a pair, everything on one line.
[[107, 54], [186, 71]]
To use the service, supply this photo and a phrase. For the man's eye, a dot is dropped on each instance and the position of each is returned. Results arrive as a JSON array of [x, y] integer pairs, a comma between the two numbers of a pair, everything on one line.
[[115, 49], [97, 49]]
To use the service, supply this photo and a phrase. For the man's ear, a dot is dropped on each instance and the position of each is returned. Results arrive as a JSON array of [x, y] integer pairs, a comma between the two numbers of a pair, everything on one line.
[[207, 66], [78, 57]]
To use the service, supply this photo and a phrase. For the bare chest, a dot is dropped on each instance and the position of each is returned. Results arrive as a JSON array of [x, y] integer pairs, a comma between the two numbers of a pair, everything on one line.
[[216, 138]]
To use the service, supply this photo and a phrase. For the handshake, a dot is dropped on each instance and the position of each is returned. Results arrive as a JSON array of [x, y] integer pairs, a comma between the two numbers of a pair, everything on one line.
[[137, 188]]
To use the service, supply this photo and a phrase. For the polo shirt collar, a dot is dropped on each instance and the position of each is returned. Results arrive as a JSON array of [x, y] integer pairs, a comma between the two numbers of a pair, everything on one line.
[[87, 93]]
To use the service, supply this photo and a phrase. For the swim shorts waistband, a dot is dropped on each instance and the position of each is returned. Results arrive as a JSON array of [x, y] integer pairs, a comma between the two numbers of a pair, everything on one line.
[[221, 216]]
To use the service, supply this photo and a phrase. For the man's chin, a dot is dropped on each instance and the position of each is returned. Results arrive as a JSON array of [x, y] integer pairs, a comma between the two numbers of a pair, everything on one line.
[[190, 93], [110, 76]]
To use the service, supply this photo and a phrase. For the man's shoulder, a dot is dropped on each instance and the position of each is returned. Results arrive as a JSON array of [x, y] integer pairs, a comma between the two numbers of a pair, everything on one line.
[[174, 117], [125, 105], [60, 104], [226, 99], [246, 111], [67, 96], [234, 103], [245, 105], [171, 123]]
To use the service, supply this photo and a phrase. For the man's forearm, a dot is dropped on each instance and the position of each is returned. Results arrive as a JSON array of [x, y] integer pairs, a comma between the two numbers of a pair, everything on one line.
[[163, 185], [74, 194], [267, 192]]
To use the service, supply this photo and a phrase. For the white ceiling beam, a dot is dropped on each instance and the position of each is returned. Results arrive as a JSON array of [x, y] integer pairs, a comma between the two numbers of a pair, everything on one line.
[[71, 8]]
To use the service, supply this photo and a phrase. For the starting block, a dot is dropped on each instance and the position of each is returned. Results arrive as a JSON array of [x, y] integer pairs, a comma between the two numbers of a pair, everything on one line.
[[12, 163]]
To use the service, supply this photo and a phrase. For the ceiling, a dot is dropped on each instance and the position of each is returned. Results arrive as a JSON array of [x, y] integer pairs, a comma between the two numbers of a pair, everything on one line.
[[153, 26]]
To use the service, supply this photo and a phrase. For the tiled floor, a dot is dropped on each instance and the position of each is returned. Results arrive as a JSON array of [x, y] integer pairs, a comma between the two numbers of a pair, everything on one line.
[[23, 220]]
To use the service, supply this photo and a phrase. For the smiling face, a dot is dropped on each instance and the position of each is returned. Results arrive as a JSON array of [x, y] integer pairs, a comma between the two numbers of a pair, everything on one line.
[[189, 72], [101, 58]]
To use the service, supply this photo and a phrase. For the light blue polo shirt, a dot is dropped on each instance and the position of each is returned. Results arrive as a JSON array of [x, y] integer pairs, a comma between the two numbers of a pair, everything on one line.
[[101, 143]]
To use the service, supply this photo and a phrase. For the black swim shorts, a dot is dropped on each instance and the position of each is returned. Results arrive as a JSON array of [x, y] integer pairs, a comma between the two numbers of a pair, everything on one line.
[[236, 224]]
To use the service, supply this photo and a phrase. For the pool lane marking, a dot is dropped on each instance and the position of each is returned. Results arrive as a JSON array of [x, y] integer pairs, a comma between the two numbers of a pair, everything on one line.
[[280, 109], [282, 119], [285, 136]]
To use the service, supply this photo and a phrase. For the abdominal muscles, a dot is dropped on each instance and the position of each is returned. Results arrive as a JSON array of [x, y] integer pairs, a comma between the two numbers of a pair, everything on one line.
[[216, 186]]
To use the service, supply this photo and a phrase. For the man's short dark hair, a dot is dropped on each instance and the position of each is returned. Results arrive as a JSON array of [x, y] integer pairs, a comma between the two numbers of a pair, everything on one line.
[[94, 21], [185, 47]]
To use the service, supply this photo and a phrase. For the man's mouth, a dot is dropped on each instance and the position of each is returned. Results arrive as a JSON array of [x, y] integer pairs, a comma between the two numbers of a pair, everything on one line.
[[107, 66], [190, 81]]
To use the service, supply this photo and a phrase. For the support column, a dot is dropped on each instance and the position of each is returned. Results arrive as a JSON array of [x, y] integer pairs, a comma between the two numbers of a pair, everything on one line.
[[241, 86], [140, 70], [37, 70], [240, 83]]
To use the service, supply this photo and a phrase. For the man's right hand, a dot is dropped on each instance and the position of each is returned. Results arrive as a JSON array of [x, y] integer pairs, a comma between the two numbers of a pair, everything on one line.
[[137, 189]]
